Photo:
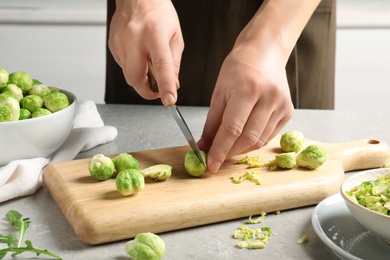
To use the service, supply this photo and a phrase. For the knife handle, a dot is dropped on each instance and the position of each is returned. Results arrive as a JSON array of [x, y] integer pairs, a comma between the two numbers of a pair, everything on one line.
[[152, 79]]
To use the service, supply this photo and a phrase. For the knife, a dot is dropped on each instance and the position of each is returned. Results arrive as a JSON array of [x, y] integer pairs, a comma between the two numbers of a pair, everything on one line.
[[177, 116]]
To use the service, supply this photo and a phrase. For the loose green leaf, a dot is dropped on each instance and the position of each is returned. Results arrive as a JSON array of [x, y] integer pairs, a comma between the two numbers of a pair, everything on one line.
[[15, 219]]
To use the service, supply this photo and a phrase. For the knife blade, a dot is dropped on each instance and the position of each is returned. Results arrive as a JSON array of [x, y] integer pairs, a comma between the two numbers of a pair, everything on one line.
[[186, 132], [177, 116]]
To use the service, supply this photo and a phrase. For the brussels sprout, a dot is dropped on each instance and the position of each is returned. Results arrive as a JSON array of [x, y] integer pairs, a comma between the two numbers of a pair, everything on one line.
[[53, 89], [285, 160], [40, 111], [14, 90], [9, 109], [31, 102], [22, 79], [158, 172], [311, 157], [56, 101], [40, 90], [24, 114], [292, 141], [3, 77], [193, 165], [36, 82], [145, 246], [101, 167], [125, 161], [129, 182]]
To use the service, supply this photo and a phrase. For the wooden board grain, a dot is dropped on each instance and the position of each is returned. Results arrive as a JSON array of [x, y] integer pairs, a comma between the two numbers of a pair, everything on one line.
[[93, 208]]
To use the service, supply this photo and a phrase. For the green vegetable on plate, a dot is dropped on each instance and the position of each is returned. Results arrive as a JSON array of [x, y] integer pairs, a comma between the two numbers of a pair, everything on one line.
[[373, 194]]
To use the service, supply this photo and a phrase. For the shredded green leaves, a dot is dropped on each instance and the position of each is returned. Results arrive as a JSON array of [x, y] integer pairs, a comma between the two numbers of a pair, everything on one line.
[[253, 176], [303, 239], [253, 238], [17, 221], [374, 194]]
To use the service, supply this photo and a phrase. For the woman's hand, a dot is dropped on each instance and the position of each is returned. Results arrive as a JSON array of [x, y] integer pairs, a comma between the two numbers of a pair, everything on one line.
[[251, 103], [143, 30]]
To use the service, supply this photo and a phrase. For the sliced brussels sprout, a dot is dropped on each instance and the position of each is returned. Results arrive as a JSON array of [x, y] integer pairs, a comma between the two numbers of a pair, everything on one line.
[[311, 157], [292, 141], [129, 182], [158, 172], [145, 246], [285, 160], [125, 161], [101, 167], [193, 165]]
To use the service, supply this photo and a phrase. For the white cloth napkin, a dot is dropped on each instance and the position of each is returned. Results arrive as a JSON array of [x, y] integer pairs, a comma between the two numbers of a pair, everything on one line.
[[23, 177]]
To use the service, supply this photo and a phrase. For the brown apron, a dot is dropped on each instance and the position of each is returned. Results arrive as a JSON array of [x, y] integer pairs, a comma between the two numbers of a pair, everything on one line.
[[210, 28]]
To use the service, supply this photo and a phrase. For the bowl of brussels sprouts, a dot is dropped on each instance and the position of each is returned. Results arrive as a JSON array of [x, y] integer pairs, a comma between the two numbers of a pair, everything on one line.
[[367, 196], [35, 119]]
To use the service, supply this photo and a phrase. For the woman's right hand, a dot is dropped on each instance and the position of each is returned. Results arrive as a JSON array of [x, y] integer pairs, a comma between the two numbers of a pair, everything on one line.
[[143, 30]]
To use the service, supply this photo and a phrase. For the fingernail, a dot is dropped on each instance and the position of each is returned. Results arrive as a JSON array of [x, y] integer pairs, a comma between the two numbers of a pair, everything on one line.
[[214, 167], [168, 99]]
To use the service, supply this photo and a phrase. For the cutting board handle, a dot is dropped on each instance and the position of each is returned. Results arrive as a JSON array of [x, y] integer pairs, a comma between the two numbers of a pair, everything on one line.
[[360, 154]]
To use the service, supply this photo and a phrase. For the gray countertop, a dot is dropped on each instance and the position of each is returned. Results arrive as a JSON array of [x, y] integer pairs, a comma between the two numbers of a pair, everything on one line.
[[151, 127]]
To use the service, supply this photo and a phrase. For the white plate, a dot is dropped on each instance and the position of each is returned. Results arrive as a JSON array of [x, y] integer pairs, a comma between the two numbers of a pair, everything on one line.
[[346, 237]]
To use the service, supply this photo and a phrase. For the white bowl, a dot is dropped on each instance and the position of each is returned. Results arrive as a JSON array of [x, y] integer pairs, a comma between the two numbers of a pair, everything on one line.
[[376, 222], [36, 137]]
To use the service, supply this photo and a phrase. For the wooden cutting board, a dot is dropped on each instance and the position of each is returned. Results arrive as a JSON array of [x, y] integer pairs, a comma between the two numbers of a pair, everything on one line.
[[99, 214]]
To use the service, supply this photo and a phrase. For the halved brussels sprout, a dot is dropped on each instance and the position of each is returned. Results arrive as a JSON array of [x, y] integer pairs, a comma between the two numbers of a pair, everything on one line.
[[158, 172], [285, 160]]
